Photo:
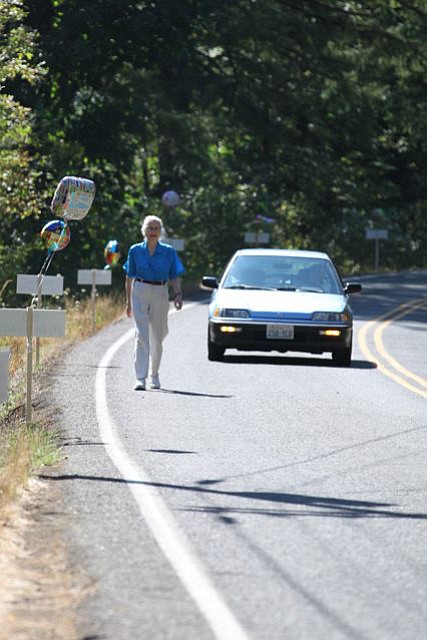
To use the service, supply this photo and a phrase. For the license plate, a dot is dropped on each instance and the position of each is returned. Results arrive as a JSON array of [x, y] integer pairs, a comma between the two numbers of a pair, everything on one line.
[[280, 331]]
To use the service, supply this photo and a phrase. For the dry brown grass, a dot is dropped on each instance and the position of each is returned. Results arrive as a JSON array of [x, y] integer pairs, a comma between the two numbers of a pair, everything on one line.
[[15, 462], [23, 448], [79, 315]]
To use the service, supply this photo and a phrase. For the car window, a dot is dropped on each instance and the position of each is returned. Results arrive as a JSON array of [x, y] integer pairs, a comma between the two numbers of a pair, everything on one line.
[[283, 273], [246, 271]]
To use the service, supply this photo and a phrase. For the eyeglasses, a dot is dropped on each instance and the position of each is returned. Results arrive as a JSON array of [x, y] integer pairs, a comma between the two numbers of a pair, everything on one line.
[[153, 229]]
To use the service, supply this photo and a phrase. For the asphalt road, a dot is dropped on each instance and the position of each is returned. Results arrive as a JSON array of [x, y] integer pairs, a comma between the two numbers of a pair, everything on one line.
[[267, 497]]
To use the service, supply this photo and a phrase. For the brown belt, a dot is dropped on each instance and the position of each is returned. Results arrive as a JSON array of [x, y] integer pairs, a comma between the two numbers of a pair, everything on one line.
[[158, 282]]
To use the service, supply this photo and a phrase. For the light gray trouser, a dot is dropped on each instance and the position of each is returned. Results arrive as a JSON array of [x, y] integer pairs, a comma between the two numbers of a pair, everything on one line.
[[150, 306]]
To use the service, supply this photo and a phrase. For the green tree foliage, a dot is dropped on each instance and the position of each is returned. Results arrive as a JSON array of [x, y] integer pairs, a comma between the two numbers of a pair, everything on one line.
[[19, 197], [306, 111]]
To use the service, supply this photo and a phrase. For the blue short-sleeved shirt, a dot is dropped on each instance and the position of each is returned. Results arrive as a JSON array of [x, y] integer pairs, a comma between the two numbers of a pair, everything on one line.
[[164, 264]]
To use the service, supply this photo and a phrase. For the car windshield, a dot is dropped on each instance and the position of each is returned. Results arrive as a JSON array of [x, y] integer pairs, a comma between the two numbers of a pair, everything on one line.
[[283, 273]]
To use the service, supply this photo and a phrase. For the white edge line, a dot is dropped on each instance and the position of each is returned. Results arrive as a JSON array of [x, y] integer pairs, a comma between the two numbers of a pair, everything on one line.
[[158, 517]]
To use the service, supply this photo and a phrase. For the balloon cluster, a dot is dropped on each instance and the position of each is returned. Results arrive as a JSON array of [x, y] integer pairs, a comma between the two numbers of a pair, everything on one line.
[[111, 253], [72, 200]]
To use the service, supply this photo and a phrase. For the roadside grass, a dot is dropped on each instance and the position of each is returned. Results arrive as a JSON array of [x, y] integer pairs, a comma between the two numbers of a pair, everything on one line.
[[24, 449]]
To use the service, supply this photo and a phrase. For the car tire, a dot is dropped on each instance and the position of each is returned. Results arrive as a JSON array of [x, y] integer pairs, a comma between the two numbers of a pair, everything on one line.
[[342, 358], [215, 352]]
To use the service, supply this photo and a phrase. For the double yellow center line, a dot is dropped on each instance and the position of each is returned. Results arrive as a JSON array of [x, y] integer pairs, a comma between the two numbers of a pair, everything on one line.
[[392, 368]]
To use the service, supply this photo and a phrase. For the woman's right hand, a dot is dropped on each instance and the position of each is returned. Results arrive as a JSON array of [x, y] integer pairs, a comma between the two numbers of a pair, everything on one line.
[[128, 309]]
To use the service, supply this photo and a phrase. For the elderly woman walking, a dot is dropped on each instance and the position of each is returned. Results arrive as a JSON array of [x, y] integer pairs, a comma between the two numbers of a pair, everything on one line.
[[150, 266]]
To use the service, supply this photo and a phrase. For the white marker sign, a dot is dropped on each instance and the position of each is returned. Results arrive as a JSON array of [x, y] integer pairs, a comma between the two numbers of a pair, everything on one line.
[[257, 237], [50, 285], [94, 276], [47, 323], [376, 234], [177, 243]]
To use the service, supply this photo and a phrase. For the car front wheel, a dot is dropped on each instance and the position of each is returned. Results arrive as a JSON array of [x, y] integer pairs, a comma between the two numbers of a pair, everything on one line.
[[342, 358], [215, 351]]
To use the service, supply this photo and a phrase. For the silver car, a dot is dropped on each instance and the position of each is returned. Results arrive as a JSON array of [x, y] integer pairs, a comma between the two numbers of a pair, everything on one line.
[[281, 300]]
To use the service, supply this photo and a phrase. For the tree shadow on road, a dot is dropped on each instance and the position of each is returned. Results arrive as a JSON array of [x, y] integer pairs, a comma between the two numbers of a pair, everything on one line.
[[293, 504]]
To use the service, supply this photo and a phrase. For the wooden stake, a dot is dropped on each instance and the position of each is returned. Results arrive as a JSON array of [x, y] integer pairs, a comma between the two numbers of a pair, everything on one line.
[[30, 322]]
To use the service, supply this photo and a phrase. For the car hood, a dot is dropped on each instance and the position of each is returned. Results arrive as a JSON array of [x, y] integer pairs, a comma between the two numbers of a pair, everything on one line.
[[298, 303]]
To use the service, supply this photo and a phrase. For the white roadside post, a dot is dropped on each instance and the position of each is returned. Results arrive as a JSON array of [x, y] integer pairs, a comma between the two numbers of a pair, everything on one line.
[[30, 322], [4, 374], [257, 237], [377, 235], [94, 277], [39, 285]]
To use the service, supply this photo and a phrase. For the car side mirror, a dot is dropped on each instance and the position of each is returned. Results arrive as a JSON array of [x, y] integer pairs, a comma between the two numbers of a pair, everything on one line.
[[210, 282], [352, 287]]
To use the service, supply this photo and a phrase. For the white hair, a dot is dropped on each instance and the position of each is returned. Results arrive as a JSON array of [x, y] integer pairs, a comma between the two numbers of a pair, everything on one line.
[[148, 220]]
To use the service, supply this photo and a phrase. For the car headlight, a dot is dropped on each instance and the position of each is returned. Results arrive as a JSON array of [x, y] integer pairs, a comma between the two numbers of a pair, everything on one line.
[[231, 313], [330, 316]]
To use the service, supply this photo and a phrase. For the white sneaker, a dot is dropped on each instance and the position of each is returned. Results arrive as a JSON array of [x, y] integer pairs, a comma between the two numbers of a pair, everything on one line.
[[140, 385], [155, 382]]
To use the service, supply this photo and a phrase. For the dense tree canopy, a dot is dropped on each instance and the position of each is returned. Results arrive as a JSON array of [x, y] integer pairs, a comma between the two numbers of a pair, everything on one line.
[[310, 112], [19, 197]]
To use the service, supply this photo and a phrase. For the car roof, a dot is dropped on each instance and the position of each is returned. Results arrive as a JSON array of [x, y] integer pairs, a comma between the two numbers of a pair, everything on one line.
[[283, 252]]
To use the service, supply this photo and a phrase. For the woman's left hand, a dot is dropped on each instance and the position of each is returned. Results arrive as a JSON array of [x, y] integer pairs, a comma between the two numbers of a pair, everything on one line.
[[178, 301]]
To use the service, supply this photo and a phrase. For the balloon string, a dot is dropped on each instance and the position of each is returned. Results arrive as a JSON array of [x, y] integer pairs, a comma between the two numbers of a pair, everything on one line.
[[50, 258], [46, 265], [42, 273]]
